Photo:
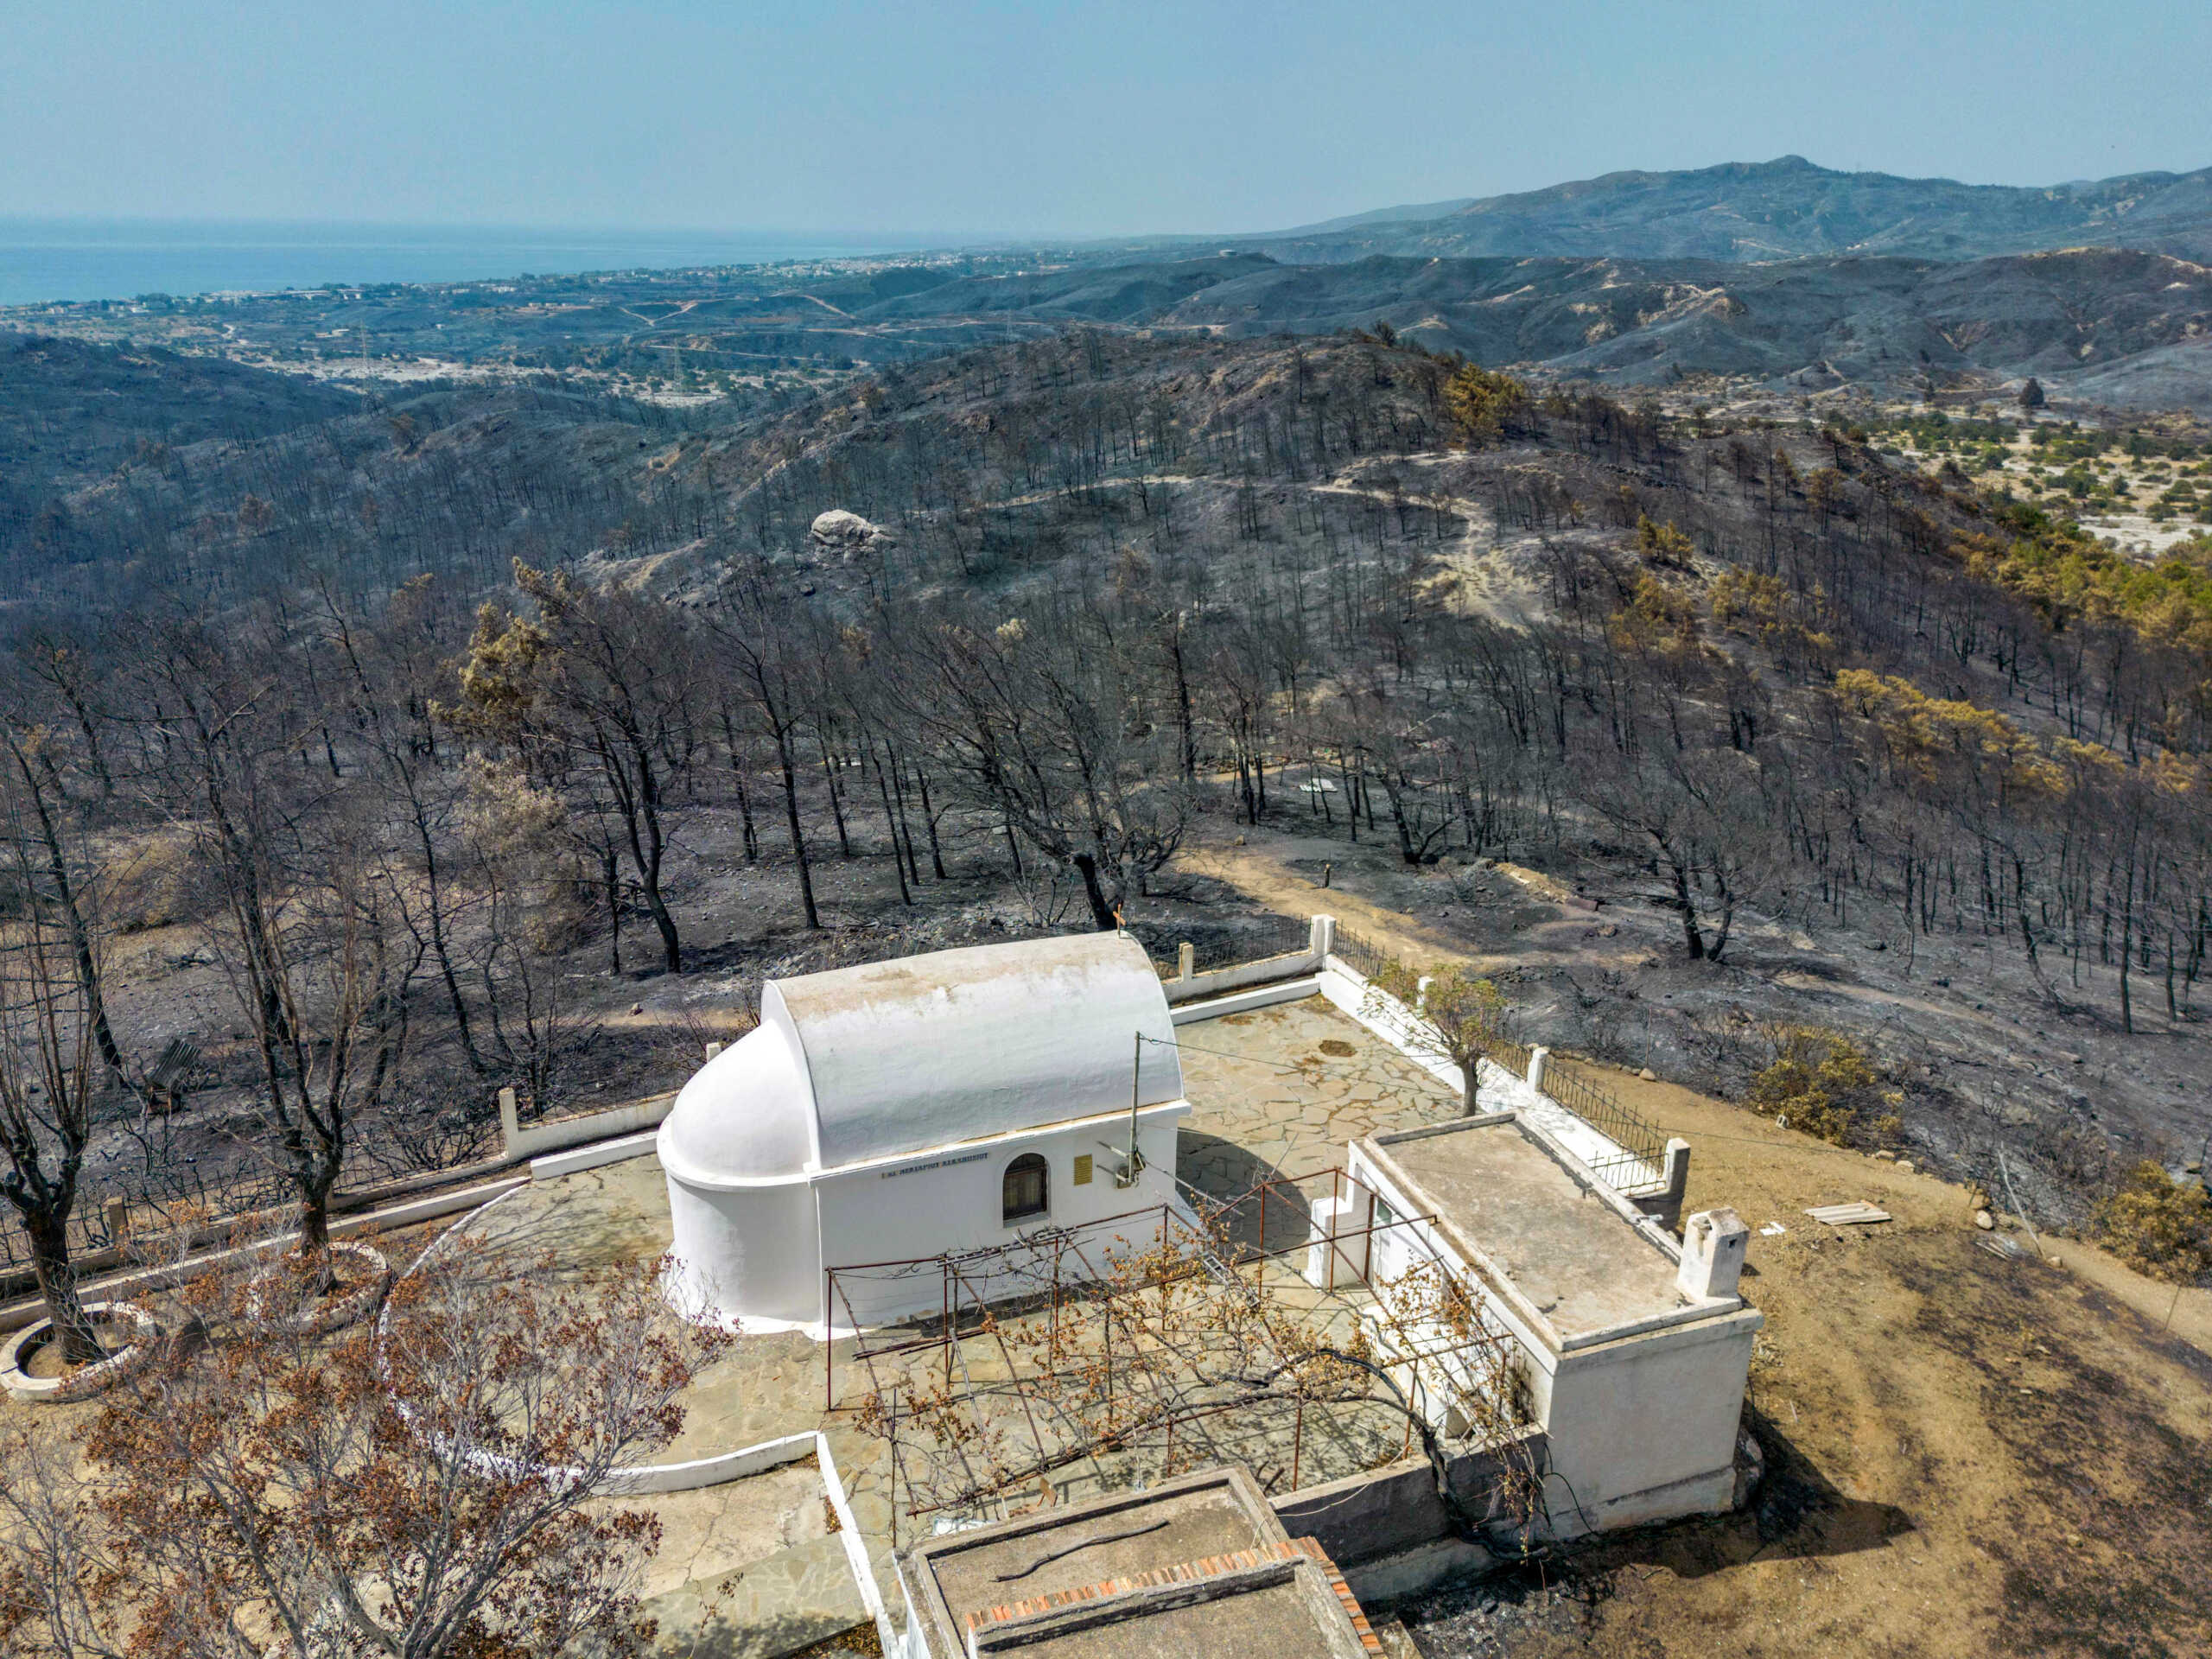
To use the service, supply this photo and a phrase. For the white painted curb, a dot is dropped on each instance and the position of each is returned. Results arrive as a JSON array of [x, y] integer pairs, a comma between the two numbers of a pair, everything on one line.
[[94, 1379], [1293, 990], [621, 1150], [648, 1478]]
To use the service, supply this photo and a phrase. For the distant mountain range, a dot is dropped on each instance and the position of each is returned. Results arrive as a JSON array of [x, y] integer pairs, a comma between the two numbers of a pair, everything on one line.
[[1790, 273], [1796, 277], [2107, 326], [1785, 209]]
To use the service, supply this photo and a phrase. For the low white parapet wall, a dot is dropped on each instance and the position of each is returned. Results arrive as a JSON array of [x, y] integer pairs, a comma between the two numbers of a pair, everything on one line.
[[713, 1471], [605, 1137], [1190, 986], [528, 1141], [1496, 1089], [16, 1315], [1261, 996], [621, 1149], [857, 1556]]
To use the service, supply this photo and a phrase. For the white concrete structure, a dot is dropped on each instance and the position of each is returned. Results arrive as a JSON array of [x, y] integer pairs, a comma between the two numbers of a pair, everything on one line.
[[1633, 1349], [1713, 1255], [914, 1108]]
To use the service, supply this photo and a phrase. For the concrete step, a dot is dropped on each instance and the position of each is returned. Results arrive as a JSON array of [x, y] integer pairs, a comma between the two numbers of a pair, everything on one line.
[[766, 1609]]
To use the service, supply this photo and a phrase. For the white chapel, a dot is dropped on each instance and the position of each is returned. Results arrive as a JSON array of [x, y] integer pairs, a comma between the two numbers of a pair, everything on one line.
[[903, 1109]]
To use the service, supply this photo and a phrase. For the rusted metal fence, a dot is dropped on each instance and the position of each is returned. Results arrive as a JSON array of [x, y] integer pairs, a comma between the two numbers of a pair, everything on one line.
[[1224, 944], [1513, 1057], [1051, 1351], [162, 1197], [1643, 1157], [1367, 958], [89, 1235]]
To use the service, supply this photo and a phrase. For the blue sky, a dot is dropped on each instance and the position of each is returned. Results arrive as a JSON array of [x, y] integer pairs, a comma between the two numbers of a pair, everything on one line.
[[1040, 120]]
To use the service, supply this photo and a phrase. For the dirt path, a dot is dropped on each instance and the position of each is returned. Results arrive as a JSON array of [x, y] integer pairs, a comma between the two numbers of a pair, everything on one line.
[[1479, 574], [1262, 877], [1263, 874]]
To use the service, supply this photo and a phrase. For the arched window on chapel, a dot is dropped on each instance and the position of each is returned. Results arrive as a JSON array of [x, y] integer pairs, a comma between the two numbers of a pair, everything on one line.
[[1023, 1194]]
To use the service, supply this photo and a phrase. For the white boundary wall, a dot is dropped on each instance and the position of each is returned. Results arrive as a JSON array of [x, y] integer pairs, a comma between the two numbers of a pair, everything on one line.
[[533, 1140], [1496, 1089], [1190, 986], [163, 1276]]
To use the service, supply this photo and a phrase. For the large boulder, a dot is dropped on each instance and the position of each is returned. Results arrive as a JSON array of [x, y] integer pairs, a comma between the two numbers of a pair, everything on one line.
[[844, 535]]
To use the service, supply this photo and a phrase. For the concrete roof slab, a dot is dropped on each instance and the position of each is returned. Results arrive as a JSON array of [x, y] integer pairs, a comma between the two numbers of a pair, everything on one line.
[[1568, 1252]]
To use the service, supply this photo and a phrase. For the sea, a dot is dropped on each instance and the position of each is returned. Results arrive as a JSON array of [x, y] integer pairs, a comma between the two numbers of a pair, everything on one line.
[[48, 259]]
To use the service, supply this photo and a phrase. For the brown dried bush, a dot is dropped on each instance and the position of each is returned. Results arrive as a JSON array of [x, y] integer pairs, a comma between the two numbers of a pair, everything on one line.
[[2157, 1226], [1821, 1082], [153, 880]]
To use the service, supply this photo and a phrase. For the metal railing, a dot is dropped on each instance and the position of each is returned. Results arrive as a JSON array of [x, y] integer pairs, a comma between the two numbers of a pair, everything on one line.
[[206, 1194], [1510, 1056], [88, 1233], [163, 1197], [1367, 958], [1642, 1155], [1644, 1146], [1224, 944]]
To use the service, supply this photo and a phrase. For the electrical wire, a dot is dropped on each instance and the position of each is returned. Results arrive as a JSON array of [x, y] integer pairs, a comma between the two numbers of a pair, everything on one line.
[[1221, 1054], [1224, 1053]]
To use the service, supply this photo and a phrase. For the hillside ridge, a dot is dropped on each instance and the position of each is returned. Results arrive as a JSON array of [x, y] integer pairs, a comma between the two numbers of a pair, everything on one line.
[[1786, 208]]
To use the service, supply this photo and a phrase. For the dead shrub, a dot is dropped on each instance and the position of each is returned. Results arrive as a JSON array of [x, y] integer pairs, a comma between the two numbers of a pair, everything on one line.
[[2081, 1157], [1821, 1082], [2159, 1227]]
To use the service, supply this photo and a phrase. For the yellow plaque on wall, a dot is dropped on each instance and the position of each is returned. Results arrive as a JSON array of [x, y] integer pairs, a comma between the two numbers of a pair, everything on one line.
[[1083, 1169]]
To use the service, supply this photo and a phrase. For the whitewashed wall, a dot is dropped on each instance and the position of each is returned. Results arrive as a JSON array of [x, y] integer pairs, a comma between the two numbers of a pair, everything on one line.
[[950, 1200], [1640, 1428], [745, 1255]]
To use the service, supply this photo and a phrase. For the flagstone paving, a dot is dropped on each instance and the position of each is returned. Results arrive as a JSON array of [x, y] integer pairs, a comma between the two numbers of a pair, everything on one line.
[[1269, 1100], [749, 1570]]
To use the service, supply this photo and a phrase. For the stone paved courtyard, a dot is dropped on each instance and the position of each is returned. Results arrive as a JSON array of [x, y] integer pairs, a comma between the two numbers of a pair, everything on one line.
[[748, 1569], [1275, 1092]]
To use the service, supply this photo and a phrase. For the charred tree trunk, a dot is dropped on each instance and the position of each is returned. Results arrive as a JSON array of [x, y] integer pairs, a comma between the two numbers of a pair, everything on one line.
[[836, 801], [1692, 940], [72, 916], [929, 816], [610, 882], [1101, 913], [890, 824], [791, 815], [47, 1231]]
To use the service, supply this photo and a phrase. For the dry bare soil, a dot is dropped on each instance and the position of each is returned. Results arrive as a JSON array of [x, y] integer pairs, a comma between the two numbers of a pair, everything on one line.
[[1966, 1456]]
